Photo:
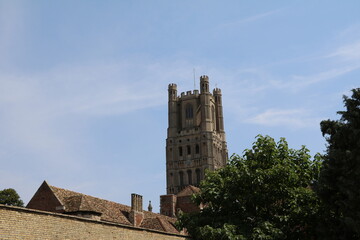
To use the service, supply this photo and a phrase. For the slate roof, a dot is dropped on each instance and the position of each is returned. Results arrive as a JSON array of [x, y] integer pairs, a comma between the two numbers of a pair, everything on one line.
[[111, 211]]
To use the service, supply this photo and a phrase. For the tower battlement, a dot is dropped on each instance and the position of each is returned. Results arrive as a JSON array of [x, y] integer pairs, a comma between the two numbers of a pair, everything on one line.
[[172, 86], [204, 78], [217, 91], [189, 94]]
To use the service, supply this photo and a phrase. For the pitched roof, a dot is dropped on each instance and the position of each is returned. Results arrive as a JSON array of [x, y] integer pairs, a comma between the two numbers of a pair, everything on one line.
[[78, 203], [188, 190], [111, 211]]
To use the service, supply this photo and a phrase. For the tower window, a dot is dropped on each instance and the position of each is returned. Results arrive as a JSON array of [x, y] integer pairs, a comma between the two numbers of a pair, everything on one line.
[[197, 149], [198, 177], [189, 173], [189, 113], [180, 151], [181, 178], [188, 149]]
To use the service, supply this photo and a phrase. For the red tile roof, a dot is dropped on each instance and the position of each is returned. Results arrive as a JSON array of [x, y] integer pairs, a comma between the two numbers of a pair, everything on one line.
[[111, 211]]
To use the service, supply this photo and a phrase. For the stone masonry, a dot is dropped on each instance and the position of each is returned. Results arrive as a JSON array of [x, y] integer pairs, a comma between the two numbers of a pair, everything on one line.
[[195, 136], [22, 223]]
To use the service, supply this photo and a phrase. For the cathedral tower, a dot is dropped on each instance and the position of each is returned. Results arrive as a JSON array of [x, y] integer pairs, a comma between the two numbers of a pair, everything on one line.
[[195, 137]]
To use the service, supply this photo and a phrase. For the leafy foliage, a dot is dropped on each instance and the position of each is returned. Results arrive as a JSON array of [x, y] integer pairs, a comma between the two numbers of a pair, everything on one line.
[[340, 175], [10, 197], [265, 194]]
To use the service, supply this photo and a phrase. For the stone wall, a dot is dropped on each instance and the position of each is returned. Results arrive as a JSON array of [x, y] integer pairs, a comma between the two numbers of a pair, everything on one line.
[[22, 223]]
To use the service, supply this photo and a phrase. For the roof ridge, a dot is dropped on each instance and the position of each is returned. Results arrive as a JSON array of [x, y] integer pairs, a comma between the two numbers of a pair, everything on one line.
[[51, 188], [82, 194]]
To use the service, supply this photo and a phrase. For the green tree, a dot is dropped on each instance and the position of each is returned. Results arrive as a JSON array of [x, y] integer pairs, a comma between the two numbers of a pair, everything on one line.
[[10, 197], [265, 194], [338, 184]]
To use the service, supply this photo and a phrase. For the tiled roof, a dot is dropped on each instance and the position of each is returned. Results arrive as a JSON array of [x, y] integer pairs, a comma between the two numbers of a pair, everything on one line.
[[188, 190], [169, 226], [78, 203], [152, 223], [111, 211]]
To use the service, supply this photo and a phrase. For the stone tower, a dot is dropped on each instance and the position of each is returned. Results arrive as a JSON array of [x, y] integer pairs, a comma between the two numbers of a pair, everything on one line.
[[195, 137]]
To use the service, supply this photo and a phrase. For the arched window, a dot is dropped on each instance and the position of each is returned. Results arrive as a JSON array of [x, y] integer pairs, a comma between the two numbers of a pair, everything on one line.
[[189, 173], [189, 113], [180, 151], [198, 177], [181, 178], [197, 149], [188, 149]]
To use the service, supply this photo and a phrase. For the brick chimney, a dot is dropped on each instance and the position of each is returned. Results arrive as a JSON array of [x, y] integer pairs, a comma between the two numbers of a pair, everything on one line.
[[168, 205], [136, 214]]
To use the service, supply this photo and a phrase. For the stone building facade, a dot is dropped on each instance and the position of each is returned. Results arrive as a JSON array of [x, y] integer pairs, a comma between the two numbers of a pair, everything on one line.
[[195, 136]]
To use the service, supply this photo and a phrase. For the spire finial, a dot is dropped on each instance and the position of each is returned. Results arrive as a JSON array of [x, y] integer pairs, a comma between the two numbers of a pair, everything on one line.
[[150, 207]]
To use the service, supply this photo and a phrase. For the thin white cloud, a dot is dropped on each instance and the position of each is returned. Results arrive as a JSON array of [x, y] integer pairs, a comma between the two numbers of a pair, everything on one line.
[[39, 112], [347, 52], [305, 81], [350, 33], [293, 118], [345, 59], [250, 19]]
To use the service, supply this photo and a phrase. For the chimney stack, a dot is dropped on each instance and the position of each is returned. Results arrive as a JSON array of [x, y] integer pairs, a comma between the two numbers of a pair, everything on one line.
[[168, 205], [136, 215]]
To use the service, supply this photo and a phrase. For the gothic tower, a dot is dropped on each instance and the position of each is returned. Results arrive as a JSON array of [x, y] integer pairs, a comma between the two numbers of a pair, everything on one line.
[[195, 136]]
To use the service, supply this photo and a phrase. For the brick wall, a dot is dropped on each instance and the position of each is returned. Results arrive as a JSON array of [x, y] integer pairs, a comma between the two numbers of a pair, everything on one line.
[[22, 223]]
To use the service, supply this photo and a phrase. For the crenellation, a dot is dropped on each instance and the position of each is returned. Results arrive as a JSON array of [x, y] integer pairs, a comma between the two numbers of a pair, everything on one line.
[[188, 95]]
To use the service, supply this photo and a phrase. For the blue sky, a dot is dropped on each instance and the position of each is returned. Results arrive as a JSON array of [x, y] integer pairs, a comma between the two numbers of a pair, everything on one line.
[[83, 84]]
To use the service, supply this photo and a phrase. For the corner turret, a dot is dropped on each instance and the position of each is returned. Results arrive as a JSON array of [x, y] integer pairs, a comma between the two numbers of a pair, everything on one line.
[[173, 111], [204, 84], [172, 91], [219, 111]]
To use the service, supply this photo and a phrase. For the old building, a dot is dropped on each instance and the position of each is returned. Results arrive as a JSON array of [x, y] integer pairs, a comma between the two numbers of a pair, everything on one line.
[[57, 200], [195, 136], [195, 143]]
